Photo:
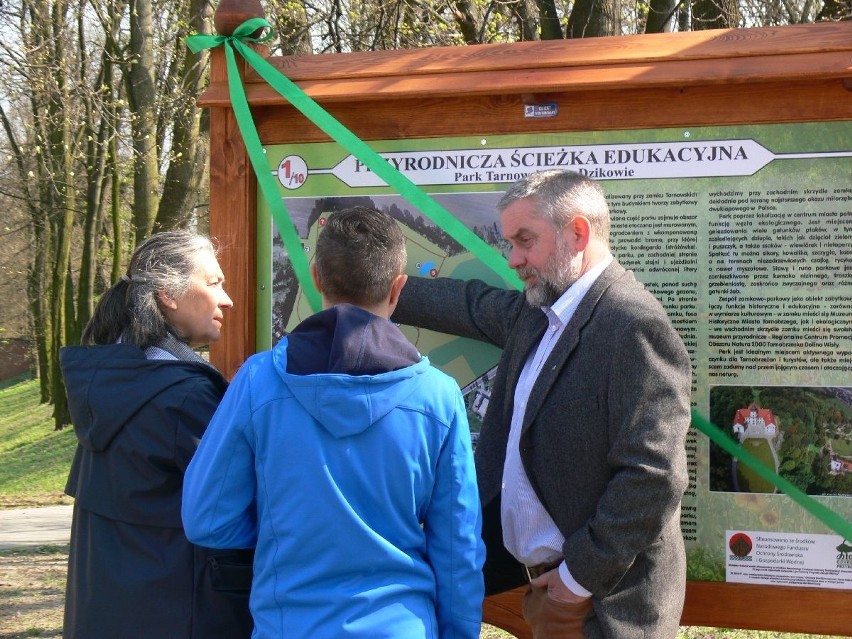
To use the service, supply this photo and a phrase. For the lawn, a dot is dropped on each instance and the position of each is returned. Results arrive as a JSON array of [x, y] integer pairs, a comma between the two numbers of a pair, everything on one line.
[[34, 458], [750, 481], [34, 462]]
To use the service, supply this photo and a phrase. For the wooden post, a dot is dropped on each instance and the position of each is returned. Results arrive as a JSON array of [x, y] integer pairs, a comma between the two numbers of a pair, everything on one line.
[[233, 193], [232, 13]]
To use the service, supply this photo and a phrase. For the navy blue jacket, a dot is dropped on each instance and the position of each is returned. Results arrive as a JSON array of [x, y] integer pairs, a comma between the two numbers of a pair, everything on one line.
[[132, 572]]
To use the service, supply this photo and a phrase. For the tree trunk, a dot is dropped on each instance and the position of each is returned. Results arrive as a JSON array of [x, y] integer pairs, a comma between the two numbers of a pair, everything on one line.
[[184, 175], [117, 252], [527, 20], [290, 22], [40, 318], [61, 157], [97, 153], [468, 20], [59, 308], [142, 96], [550, 27], [594, 18], [835, 10], [661, 16], [715, 14]]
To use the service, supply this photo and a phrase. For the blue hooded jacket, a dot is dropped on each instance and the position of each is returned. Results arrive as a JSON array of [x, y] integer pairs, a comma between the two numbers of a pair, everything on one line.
[[346, 459]]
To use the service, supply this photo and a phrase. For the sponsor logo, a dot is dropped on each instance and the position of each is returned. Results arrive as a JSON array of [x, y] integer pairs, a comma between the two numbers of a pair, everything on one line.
[[546, 110], [844, 555], [740, 545]]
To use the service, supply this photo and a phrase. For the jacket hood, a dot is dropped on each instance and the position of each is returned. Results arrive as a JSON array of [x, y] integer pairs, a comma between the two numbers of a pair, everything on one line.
[[348, 368], [104, 389]]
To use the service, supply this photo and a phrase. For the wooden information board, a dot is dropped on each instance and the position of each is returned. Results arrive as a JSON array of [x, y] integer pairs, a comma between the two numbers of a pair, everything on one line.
[[758, 87]]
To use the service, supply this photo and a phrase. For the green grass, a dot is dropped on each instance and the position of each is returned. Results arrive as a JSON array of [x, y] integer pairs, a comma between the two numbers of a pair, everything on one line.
[[750, 481], [34, 458]]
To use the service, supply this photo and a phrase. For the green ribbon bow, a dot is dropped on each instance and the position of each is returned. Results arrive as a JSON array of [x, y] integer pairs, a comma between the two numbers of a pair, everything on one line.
[[343, 136], [245, 122], [417, 197]]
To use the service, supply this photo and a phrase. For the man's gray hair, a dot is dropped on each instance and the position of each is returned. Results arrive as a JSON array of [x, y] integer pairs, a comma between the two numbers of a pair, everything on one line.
[[560, 195]]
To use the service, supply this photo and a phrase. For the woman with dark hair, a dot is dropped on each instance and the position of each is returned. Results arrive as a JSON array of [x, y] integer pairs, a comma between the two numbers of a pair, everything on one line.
[[140, 398]]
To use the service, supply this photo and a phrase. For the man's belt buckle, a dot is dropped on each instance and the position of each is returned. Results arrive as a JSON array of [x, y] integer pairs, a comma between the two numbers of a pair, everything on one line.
[[540, 569]]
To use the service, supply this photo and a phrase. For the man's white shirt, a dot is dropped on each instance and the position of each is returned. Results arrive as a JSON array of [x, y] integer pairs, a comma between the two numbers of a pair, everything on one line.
[[528, 531]]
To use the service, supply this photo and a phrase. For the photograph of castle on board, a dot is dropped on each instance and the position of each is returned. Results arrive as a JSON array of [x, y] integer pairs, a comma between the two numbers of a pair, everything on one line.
[[802, 433]]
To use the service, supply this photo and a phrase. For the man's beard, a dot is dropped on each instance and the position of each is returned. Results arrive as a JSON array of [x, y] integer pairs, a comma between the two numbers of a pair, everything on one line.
[[559, 272]]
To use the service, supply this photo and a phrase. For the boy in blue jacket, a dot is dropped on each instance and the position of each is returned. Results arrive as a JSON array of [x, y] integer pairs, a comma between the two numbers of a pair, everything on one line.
[[345, 459]]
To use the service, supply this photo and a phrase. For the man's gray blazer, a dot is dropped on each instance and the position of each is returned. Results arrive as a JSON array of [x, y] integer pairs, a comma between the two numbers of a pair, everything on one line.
[[602, 442]]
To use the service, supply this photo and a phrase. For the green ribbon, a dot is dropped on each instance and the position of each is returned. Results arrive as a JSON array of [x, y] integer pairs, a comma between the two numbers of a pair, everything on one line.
[[245, 122], [353, 144], [416, 196], [818, 510]]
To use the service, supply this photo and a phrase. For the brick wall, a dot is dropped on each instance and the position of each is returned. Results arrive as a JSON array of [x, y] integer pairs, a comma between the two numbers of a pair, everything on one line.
[[15, 357]]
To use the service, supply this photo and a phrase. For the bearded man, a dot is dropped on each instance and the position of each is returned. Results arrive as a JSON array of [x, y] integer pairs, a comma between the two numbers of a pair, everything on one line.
[[580, 462]]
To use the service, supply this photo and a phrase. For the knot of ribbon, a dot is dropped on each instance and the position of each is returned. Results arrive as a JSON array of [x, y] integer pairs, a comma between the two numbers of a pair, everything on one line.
[[343, 136], [247, 32], [243, 33]]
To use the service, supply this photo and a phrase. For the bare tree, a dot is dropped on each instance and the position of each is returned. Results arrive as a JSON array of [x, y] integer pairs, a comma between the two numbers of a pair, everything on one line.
[[42, 142], [78, 82]]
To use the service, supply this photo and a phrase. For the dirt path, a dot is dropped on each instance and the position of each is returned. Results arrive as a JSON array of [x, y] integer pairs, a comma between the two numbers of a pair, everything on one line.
[[32, 591]]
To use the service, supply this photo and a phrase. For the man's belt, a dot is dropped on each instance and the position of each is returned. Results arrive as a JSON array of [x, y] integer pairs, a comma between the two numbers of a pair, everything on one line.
[[540, 569]]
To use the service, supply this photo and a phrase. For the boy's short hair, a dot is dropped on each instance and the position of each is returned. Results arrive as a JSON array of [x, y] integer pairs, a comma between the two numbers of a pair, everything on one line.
[[359, 252]]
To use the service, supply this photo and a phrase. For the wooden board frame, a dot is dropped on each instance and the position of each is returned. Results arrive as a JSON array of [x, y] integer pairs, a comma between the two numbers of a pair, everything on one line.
[[784, 74]]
